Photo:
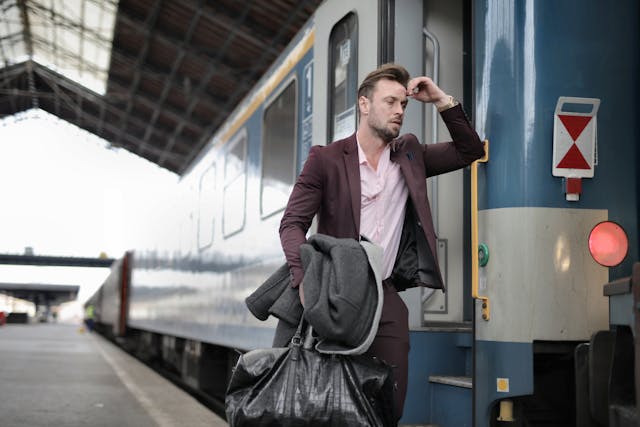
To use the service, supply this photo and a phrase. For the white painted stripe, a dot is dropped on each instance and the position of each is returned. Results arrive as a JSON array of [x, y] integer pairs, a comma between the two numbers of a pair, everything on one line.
[[157, 414], [165, 403]]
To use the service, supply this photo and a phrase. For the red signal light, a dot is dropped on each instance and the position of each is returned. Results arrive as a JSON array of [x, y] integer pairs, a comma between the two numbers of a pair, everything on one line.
[[608, 243]]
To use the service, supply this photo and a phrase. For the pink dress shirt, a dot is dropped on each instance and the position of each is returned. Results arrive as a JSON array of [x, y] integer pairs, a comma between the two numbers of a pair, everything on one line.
[[383, 197]]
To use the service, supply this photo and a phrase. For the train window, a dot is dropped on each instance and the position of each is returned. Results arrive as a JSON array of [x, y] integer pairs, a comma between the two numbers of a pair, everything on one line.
[[278, 151], [187, 228], [343, 77], [206, 207], [235, 184]]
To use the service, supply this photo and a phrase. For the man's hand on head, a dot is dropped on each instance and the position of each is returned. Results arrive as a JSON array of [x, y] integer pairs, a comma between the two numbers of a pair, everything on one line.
[[425, 90]]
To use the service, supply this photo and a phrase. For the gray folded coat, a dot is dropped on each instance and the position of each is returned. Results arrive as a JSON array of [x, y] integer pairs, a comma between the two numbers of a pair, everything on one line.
[[342, 291]]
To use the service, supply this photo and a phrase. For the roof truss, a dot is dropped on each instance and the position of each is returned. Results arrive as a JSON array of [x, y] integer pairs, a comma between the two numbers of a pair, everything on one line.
[[176, 68]]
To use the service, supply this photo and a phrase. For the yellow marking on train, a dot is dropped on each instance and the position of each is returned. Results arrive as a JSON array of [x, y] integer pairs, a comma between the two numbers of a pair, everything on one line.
[[502, 385], [292, 59]]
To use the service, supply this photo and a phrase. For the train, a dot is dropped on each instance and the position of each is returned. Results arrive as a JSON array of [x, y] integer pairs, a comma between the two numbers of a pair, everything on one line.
[[537, 242]]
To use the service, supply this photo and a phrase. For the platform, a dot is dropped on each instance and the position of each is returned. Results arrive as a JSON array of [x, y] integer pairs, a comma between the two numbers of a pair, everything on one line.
[[56, 375]]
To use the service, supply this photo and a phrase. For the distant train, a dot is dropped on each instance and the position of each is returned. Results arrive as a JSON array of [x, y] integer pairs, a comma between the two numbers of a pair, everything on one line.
[[524, 335]]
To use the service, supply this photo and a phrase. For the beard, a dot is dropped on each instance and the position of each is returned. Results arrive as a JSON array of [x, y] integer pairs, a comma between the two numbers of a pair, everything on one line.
[[384, 132]]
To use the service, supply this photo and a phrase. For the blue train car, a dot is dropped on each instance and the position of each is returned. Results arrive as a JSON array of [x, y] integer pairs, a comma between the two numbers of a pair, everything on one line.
[[552, 87], [544, 70]]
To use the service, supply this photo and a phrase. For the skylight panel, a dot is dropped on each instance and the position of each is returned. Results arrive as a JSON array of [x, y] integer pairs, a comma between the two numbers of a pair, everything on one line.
[[71, 37], [12, 47]]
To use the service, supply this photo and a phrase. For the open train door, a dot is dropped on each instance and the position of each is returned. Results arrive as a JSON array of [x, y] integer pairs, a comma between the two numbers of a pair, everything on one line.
[[436, 30], [353, 38], [345, 51], [433, 38]]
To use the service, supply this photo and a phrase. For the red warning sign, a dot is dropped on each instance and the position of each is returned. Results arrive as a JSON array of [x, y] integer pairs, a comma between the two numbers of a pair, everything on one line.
[[574, 124], [574, 137], [573, 160]]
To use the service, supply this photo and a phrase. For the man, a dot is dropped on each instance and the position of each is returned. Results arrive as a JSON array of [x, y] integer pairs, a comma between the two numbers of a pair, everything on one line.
[[362, 185], [89, 316]]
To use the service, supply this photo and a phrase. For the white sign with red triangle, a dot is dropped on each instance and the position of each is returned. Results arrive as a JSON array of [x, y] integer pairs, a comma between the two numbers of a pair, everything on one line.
[[574, 137]]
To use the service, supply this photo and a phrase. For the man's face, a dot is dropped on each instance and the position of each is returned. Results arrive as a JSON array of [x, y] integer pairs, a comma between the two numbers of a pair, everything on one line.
[[386, 109]]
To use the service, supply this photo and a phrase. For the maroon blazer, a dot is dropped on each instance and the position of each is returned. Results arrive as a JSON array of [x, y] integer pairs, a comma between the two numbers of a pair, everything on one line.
[[329, 185]]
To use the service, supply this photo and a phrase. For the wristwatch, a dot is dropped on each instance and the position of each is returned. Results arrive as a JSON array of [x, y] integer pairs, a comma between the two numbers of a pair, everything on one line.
[[452, 103]]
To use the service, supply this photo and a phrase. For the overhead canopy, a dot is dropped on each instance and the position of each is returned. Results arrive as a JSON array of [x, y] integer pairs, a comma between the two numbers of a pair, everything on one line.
[[59, 261], [40, 293], [156, 77]]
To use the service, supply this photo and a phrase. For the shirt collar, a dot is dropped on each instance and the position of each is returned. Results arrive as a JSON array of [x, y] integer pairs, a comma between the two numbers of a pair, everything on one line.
[[362, 157]]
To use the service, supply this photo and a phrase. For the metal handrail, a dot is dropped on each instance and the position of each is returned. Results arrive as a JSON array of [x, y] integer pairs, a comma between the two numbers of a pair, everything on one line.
[[486, 313], [434, 122]]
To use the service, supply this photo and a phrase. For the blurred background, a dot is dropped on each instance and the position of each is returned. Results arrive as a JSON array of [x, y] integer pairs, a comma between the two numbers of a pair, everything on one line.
[[64, 192]]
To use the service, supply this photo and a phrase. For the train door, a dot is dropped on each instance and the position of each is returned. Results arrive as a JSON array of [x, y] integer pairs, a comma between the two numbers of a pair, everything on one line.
[[429, 40], [351, 39]]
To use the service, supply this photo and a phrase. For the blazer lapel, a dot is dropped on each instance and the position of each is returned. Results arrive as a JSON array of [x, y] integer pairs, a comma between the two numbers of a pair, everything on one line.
[[403, 158], [407, 160], [352, 167]]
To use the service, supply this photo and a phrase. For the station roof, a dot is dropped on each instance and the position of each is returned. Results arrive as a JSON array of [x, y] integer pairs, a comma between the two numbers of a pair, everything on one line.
[[41, 293], [155, 77], [58, 261]]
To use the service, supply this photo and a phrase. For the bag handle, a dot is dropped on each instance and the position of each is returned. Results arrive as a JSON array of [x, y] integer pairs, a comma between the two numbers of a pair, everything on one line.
[[309, 339], [304, 330]]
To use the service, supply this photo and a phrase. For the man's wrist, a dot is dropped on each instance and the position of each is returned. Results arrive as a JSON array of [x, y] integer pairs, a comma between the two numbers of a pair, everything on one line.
[[449, 102]]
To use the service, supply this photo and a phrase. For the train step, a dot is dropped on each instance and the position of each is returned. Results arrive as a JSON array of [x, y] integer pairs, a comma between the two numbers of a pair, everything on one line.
[[452, 380], [451, 400]]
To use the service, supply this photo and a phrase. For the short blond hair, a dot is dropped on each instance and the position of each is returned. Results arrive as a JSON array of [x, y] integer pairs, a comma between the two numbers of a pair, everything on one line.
[[394, 72]]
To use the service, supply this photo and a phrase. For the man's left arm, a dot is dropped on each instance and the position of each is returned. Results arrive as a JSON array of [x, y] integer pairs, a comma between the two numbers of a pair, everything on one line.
[[464, 148]]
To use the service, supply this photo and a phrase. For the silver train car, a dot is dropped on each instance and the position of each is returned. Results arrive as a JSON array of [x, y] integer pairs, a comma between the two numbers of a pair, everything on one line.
[[518, 337]]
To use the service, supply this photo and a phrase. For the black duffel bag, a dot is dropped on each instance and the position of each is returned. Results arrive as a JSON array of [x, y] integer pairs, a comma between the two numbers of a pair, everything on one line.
[[298, 386]]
